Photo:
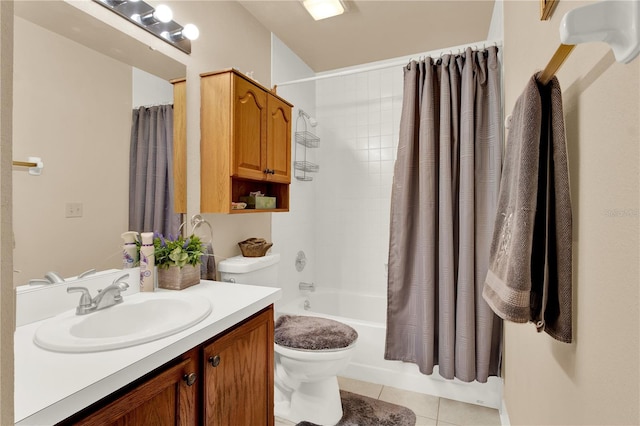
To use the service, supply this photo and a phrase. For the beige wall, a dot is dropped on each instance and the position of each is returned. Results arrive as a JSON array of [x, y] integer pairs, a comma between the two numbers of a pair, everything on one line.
[[7, 307], [229, 38], [595, 379], [72, 107]]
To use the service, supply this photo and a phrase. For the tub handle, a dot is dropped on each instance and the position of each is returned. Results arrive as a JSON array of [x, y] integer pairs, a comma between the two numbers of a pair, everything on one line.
[[214, 360]]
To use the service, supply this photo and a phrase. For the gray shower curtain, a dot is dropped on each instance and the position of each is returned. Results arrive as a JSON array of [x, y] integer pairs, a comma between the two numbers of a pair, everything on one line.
[[443, 206], [151, 190]]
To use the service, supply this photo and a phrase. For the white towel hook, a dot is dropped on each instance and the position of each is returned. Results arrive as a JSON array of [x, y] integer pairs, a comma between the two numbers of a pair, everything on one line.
[[39, 165], [507, 122], [614, 22]]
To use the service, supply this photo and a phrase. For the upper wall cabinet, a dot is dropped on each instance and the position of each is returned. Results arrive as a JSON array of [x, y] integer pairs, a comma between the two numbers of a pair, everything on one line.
[[245, 142]]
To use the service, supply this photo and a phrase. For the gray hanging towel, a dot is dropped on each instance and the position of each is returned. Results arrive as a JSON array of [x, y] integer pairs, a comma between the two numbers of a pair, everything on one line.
[[529, 276], [208, 264]]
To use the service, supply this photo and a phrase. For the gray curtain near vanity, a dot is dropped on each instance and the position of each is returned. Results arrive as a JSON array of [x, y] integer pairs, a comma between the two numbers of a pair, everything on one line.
[[443, 206], [151, 191]]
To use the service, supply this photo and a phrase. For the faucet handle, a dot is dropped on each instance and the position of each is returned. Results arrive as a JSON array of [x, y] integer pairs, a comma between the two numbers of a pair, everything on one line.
[[120, 278], [122, 285], [53, 277], [86, 273], [85, 300]]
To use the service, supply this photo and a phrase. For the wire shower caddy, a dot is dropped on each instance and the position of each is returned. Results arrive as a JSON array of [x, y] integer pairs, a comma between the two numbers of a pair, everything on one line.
[[307, 140]]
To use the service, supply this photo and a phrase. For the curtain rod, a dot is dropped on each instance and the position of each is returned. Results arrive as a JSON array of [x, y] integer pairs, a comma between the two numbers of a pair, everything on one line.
[[399, 62]]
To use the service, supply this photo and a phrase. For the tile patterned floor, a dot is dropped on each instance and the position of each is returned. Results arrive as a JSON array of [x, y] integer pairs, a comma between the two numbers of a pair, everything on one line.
[[430, 410]]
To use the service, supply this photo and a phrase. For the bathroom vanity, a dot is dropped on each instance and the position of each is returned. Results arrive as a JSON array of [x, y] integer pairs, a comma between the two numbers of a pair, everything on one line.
[[219, 371]]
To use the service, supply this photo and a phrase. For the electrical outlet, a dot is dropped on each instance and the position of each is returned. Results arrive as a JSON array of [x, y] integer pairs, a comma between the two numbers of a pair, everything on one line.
[[73, 210]]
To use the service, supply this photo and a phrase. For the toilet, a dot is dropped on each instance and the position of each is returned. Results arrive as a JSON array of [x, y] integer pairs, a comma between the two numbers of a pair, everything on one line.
[[309, 351]]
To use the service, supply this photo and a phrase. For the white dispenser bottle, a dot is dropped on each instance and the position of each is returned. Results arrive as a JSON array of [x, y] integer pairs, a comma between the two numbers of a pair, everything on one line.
[[130, 258], [147, 262]]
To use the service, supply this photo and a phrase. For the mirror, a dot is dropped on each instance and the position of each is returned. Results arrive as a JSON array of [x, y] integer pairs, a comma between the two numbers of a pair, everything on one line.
[[73, 99]]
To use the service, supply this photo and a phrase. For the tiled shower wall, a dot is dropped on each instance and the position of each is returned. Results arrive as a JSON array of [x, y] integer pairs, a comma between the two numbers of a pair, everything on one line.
[[359, 117], [341, 218], [294, 231]]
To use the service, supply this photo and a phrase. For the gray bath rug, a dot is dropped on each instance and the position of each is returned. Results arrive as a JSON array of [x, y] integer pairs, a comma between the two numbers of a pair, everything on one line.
[[361, 410]]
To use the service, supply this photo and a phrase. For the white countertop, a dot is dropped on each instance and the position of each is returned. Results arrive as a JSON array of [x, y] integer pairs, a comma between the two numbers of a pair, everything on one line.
[[51, 386]]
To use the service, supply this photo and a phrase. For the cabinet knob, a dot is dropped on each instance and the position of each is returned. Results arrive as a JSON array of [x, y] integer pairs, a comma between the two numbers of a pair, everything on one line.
[[190, 378], [266, 171], [214, 360]]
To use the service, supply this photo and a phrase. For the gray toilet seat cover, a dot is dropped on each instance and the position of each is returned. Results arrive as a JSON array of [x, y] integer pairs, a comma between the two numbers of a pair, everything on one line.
[[312, 333]]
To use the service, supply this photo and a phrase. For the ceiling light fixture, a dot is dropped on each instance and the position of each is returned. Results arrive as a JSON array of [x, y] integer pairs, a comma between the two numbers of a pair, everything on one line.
[[322, 9], [158, 21]]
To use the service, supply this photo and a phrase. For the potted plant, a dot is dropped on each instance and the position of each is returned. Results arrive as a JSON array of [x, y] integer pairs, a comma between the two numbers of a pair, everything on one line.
[[178, 261]]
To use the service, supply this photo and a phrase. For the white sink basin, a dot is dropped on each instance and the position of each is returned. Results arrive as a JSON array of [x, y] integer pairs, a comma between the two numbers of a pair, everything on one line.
[[141, 318]]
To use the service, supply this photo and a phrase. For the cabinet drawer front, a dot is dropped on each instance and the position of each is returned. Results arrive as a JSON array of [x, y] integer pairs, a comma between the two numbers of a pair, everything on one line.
[[249, 130], [166, 399]]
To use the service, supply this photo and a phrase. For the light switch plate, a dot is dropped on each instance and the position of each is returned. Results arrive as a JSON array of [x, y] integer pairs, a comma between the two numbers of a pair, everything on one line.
[[73, 210]]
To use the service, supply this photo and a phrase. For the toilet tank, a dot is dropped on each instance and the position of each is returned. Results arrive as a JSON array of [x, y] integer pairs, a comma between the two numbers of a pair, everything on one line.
[[251, 270]]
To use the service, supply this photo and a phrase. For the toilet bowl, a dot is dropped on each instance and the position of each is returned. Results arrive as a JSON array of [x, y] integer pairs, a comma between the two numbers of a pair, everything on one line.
[[309, 352], [307, 384]]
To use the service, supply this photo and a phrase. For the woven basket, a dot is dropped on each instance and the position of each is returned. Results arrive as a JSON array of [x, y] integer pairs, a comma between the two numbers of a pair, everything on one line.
[[176, 278], [254, 247]]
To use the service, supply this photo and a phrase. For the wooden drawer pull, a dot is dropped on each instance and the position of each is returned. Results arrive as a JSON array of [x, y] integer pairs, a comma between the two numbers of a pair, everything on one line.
[[214, 360], [190, 378]]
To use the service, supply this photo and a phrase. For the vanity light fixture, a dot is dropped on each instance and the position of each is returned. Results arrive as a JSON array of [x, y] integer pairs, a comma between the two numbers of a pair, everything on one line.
[[162, 13], [322, 9], [158, 21], [189, 31]]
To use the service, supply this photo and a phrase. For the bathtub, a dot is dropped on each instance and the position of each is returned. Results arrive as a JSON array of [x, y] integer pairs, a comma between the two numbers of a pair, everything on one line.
[[367, 314]]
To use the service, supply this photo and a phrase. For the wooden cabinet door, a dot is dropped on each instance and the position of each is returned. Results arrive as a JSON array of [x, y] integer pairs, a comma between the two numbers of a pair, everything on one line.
[[180, 145], [238, 375], [165, 399], [249, 130], [278, 140]]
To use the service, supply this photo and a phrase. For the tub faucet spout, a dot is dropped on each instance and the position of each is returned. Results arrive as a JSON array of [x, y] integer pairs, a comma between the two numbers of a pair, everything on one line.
[[307, 286]]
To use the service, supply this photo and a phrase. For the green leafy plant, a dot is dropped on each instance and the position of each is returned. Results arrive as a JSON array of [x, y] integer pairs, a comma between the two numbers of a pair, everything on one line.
[[178, 252]]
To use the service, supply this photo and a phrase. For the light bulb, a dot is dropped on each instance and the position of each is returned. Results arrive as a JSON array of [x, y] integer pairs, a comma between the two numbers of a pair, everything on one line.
[[321, 9], [191, 32], [163, 13]]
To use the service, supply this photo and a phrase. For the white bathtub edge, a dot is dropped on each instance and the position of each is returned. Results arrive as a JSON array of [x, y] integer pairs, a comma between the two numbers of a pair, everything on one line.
[[504, 416], [403, 375]]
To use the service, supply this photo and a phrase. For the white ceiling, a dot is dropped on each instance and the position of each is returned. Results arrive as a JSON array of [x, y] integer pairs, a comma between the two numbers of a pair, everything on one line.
[[373, 30]]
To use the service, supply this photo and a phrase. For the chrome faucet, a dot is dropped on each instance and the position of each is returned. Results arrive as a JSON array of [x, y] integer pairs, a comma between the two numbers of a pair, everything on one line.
[[307, 286], [108, 297], [49, 278], [52, 277]]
